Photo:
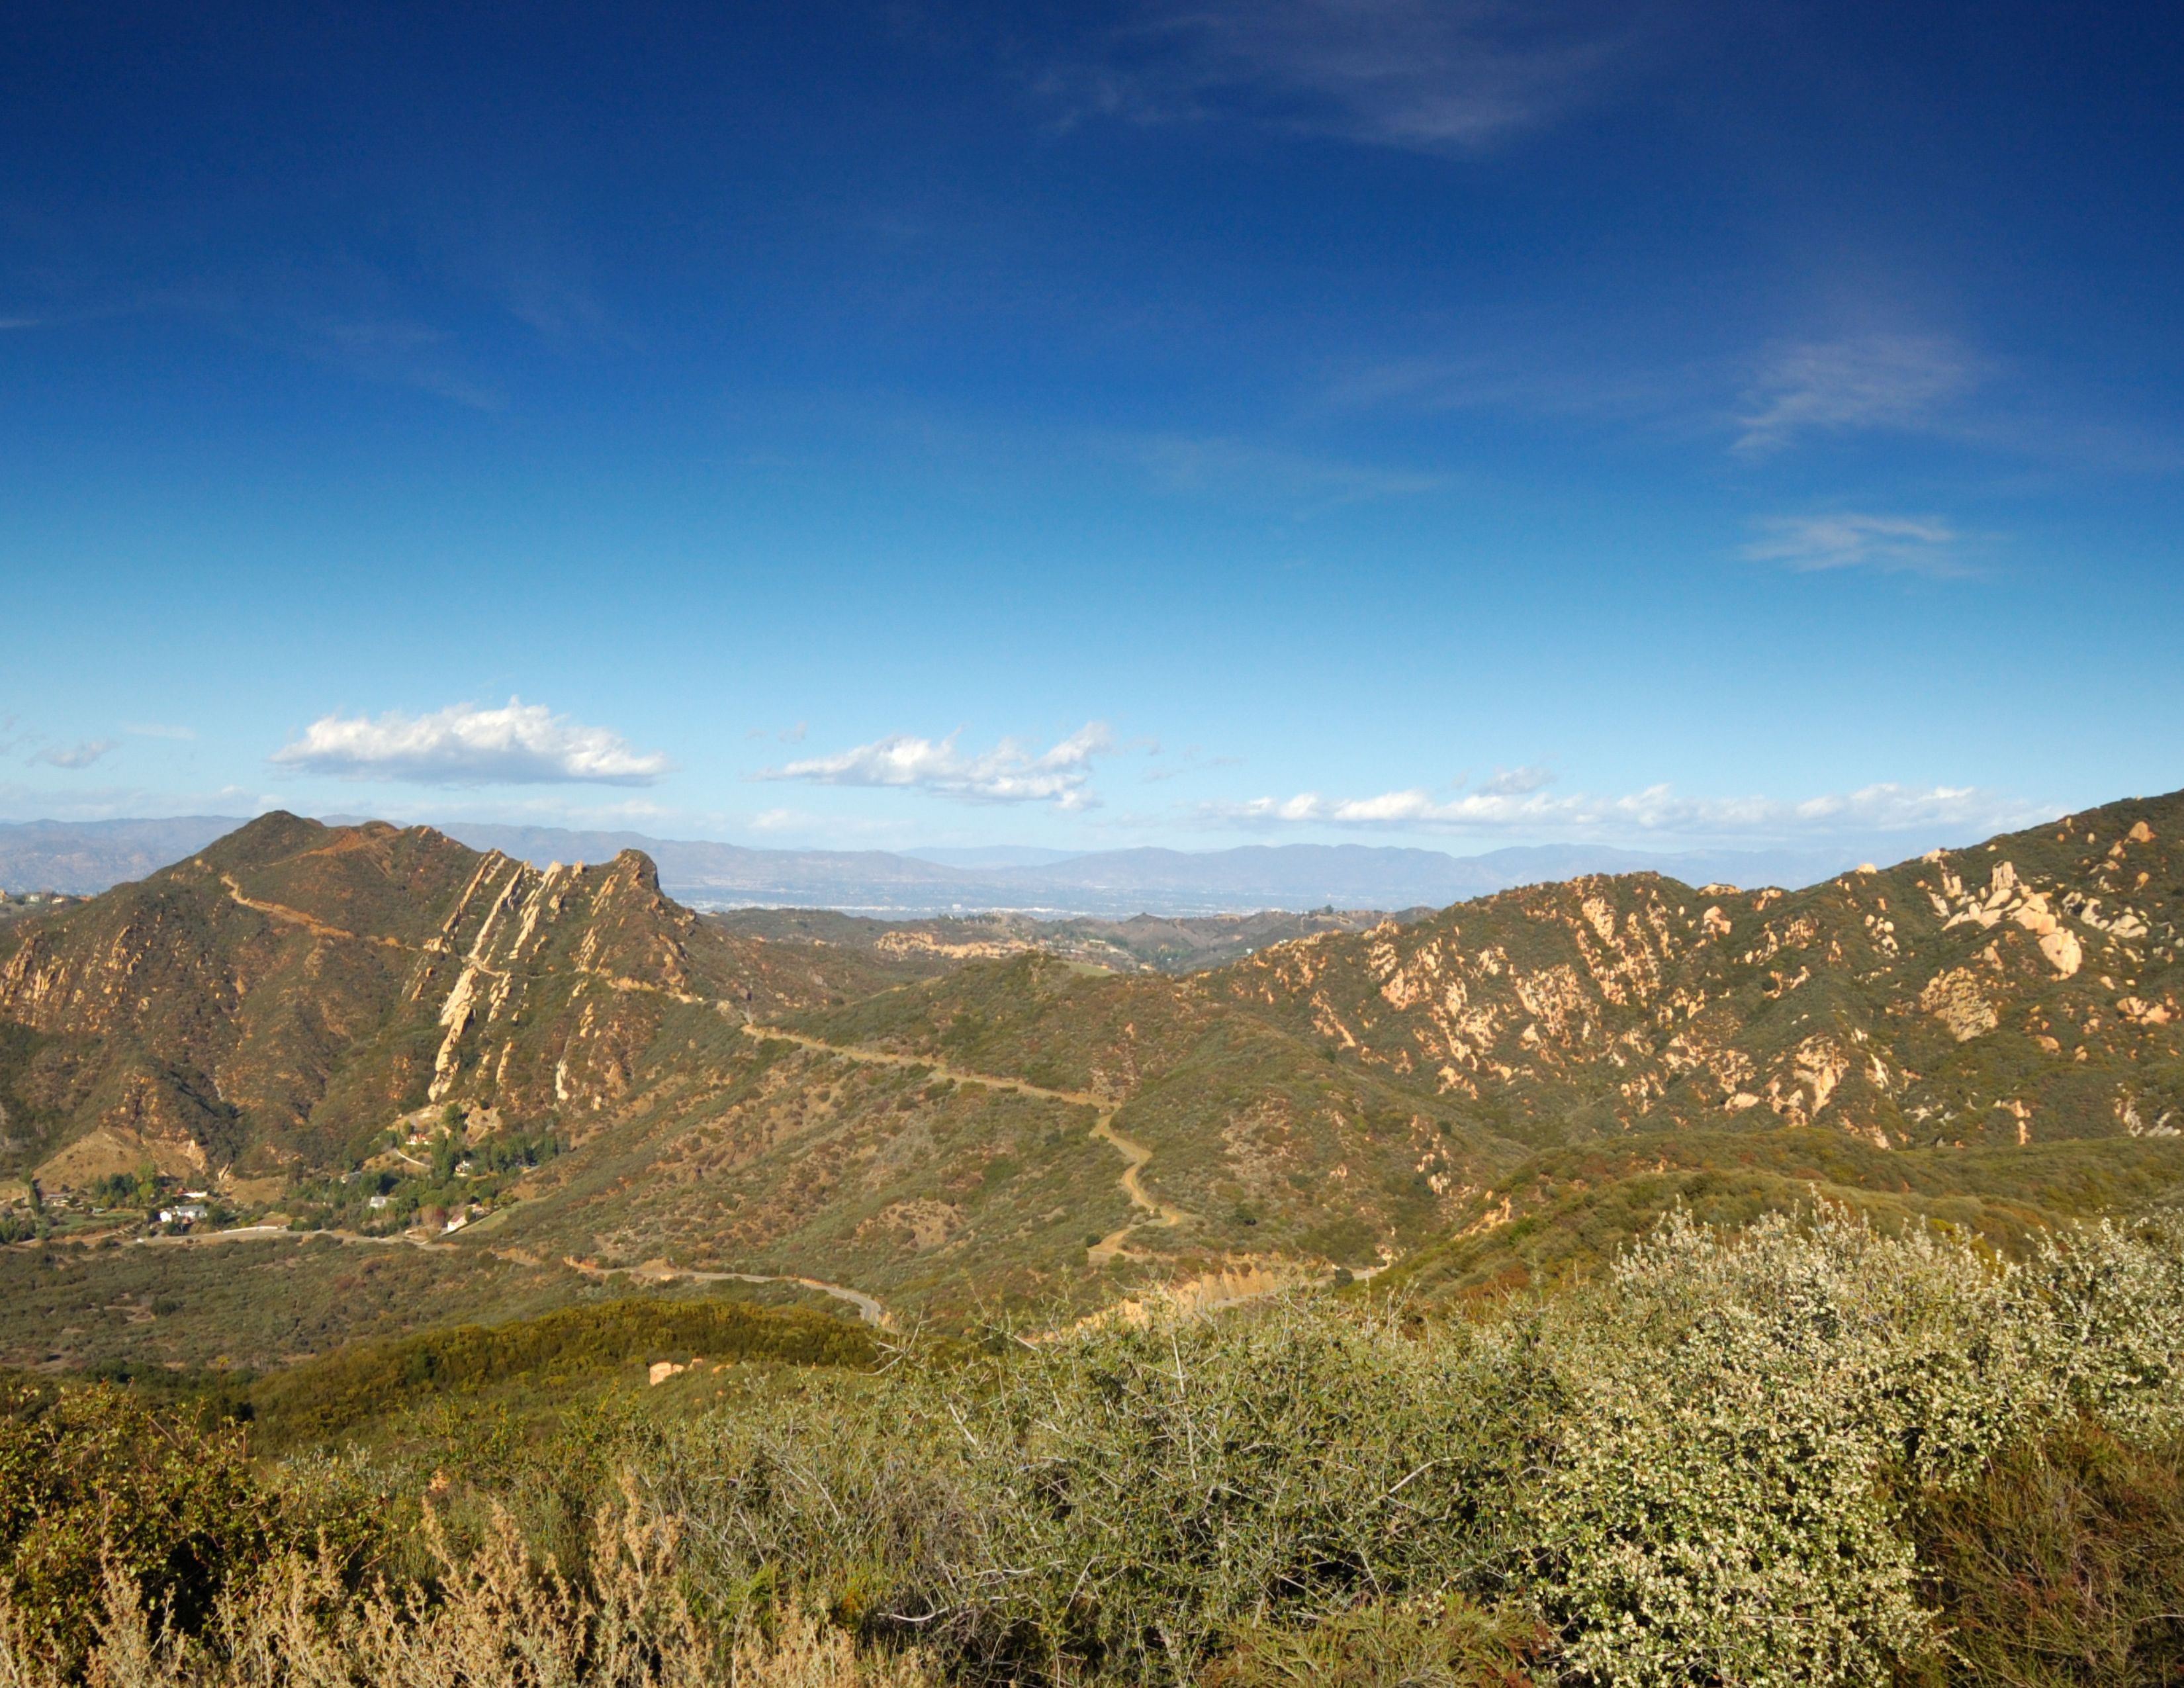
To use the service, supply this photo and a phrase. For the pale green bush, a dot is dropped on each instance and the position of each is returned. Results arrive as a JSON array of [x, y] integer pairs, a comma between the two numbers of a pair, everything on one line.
[[1748, 1412], [1717, 1509], [1695, 1470], [2107, 1303]]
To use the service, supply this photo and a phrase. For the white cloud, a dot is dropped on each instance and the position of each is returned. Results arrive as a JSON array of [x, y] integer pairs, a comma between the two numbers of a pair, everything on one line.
[[1905, 544], [1657, 811], [520, 744], [1897, 381], [72, 757], [1010, 772]]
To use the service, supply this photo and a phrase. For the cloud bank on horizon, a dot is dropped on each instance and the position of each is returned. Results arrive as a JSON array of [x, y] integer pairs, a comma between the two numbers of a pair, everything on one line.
[[1659, 812]]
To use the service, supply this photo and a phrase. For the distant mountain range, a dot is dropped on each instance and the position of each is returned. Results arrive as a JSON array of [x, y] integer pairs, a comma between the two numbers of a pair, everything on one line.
[[85, 857], [88, 857]]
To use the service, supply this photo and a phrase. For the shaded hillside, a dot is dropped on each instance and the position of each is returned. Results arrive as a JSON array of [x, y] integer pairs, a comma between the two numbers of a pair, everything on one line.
[[365, 1381], [272, 1003], [1570, 1211]]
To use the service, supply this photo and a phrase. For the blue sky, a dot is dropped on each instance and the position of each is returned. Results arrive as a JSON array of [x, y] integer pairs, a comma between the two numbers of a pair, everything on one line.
[[1459, 424]]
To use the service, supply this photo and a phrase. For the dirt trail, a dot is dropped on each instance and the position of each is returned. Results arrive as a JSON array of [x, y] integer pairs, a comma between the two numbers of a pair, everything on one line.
[[311, 923], [868, 1307], [243, 1233], [1134, 1153], [658, 1272]]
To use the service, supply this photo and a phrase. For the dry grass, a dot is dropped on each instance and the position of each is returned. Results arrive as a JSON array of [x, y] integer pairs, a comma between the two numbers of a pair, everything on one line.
[[498, 1618]]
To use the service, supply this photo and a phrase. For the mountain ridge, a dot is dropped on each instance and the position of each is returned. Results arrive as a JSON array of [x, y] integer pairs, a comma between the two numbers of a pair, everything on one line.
[[942, 1129]]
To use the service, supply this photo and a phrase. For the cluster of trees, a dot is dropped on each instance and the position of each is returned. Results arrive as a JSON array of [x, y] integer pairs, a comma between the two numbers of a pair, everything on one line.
[[143, 1188], [445, 1179]]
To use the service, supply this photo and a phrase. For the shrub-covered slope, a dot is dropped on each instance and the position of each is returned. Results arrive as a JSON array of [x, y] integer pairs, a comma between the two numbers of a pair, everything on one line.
[[2019, 991], [1347, 1094]]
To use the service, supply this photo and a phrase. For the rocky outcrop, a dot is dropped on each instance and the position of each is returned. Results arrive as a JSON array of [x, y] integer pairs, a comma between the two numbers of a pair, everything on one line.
[[294, 988]]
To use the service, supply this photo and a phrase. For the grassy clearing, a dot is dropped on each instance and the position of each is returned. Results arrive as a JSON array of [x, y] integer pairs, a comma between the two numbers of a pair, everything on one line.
[[371, 1380]]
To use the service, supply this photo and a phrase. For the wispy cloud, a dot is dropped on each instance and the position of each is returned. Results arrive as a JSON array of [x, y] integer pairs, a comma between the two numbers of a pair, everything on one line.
[[1896, 381], [1504, 360], [1518, 782], [1657, 811], [1194, 760], [1010, 772], [1234, 468], [395, 354], [1427, 76], [520, 744], [81, 755], [1892, 545]]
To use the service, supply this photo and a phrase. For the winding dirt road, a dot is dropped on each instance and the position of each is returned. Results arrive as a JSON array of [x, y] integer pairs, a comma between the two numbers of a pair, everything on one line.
[[658, 1272], [1134, 1153], [868, 1307], [1135, 1156]]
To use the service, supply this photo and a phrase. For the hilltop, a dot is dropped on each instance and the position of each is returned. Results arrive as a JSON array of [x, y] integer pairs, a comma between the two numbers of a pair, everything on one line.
[[271, 1004]]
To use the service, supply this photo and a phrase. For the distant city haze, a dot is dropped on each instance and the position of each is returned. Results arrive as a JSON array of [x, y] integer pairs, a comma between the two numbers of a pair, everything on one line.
[[87, 857]]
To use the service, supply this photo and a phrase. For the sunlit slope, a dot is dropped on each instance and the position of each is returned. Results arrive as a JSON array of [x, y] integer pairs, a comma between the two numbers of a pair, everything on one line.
[[270, 1003], [1352, 1097], [2016, 992]]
